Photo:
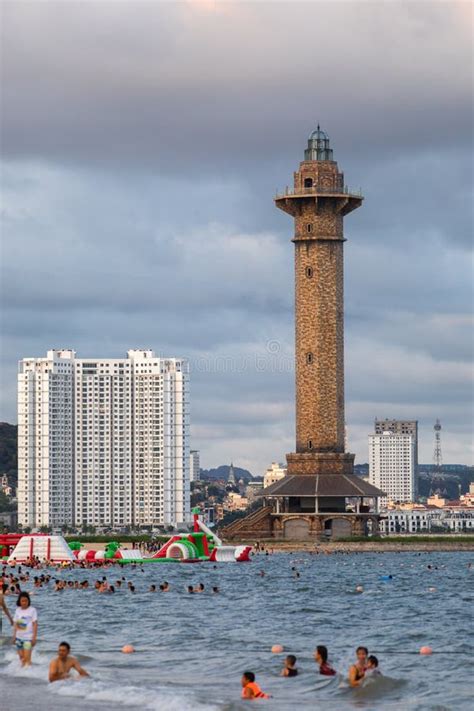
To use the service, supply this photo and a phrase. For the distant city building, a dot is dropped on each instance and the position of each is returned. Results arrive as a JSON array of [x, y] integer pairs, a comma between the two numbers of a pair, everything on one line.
[[9, 519], [5, 486], [194, 465], [468, 498], [253, 490], [235, 502], [429, 519], [103, 441], [401, 427], [392, 465], [274, 473]]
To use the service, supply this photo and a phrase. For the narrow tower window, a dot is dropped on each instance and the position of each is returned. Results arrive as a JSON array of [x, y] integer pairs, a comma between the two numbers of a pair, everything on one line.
[[309, 358], [309, 272], [308, 182], [309, 227], [310, 444]]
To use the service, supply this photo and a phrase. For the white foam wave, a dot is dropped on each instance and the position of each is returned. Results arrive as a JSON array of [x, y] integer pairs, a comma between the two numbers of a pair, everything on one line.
[[37, 670], [131, 696]]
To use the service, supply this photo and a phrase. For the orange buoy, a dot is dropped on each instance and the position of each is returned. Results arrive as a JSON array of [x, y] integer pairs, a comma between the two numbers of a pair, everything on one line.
[[128, 649], [277, 649], [426, 650]]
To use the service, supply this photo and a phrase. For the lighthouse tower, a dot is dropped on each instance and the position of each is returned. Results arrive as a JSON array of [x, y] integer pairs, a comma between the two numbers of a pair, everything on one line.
[[320, 496], [318, 202]]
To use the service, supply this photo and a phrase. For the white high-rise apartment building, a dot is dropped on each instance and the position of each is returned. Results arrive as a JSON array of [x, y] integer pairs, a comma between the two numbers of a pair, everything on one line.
[[194, 465], [103, 441], [392, 465]]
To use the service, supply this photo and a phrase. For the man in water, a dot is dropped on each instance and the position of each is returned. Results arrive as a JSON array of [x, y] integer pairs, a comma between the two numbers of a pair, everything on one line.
[[60, 667], [3, 604], [357, 670]]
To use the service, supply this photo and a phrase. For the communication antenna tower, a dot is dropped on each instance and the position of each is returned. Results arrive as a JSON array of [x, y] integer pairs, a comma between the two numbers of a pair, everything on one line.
[[437, 456]]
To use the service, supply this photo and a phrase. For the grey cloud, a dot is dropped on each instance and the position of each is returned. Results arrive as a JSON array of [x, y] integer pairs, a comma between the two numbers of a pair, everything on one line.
[[143, 145], [173, 87]]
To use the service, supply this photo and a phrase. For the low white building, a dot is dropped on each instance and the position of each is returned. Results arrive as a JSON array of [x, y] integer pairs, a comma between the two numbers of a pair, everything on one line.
[[428, 520]]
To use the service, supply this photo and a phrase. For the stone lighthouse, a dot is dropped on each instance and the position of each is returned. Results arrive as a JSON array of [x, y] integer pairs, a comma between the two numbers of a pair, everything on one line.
[[318, 202], [320, 497]]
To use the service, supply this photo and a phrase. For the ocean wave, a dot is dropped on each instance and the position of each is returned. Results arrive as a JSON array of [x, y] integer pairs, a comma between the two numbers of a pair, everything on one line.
[[131, 696]]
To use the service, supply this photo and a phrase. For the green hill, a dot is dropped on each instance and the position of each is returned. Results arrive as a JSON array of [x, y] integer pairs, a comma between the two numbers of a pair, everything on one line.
[[8, 454]]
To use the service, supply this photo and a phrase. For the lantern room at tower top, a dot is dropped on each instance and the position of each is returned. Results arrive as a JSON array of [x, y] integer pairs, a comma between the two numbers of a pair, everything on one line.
[[318, 175], [318, 146]]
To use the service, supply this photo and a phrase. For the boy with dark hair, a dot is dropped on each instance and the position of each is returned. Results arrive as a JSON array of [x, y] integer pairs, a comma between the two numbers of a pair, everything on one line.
[[250, 688], [372, 666], [289, 669]]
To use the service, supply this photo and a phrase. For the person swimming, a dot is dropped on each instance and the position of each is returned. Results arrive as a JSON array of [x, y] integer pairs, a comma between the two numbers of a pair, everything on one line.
[[357, 670], [321, 658], [250, 688], [289, 669], [61, 667]]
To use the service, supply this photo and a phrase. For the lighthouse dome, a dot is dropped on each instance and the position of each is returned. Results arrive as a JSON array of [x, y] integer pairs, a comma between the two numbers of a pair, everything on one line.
[[318, 146], [318, 135]]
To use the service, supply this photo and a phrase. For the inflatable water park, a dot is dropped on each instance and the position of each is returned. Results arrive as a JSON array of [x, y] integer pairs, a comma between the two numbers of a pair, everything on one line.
[[202, 545]]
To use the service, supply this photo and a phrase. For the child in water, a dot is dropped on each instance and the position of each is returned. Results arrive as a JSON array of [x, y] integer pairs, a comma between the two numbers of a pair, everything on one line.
[[250, 688], [372, 666], [289, 669]]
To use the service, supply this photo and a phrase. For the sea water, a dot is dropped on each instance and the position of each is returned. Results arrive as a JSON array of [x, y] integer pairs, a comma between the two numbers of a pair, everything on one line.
[[192, 649]]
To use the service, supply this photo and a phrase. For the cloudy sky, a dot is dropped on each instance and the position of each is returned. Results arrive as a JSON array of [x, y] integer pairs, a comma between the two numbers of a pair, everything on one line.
[[142, 146]]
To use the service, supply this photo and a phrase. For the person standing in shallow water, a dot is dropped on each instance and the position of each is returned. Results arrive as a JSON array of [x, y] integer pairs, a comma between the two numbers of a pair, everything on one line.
[[3, 605], [25, 630]]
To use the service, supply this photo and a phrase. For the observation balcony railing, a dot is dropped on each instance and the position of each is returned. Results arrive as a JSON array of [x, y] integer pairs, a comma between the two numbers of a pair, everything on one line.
[[318, 190]]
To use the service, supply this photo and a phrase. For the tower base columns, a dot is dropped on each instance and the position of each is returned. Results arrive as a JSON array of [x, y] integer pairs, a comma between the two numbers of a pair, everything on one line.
[[320, 463]]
